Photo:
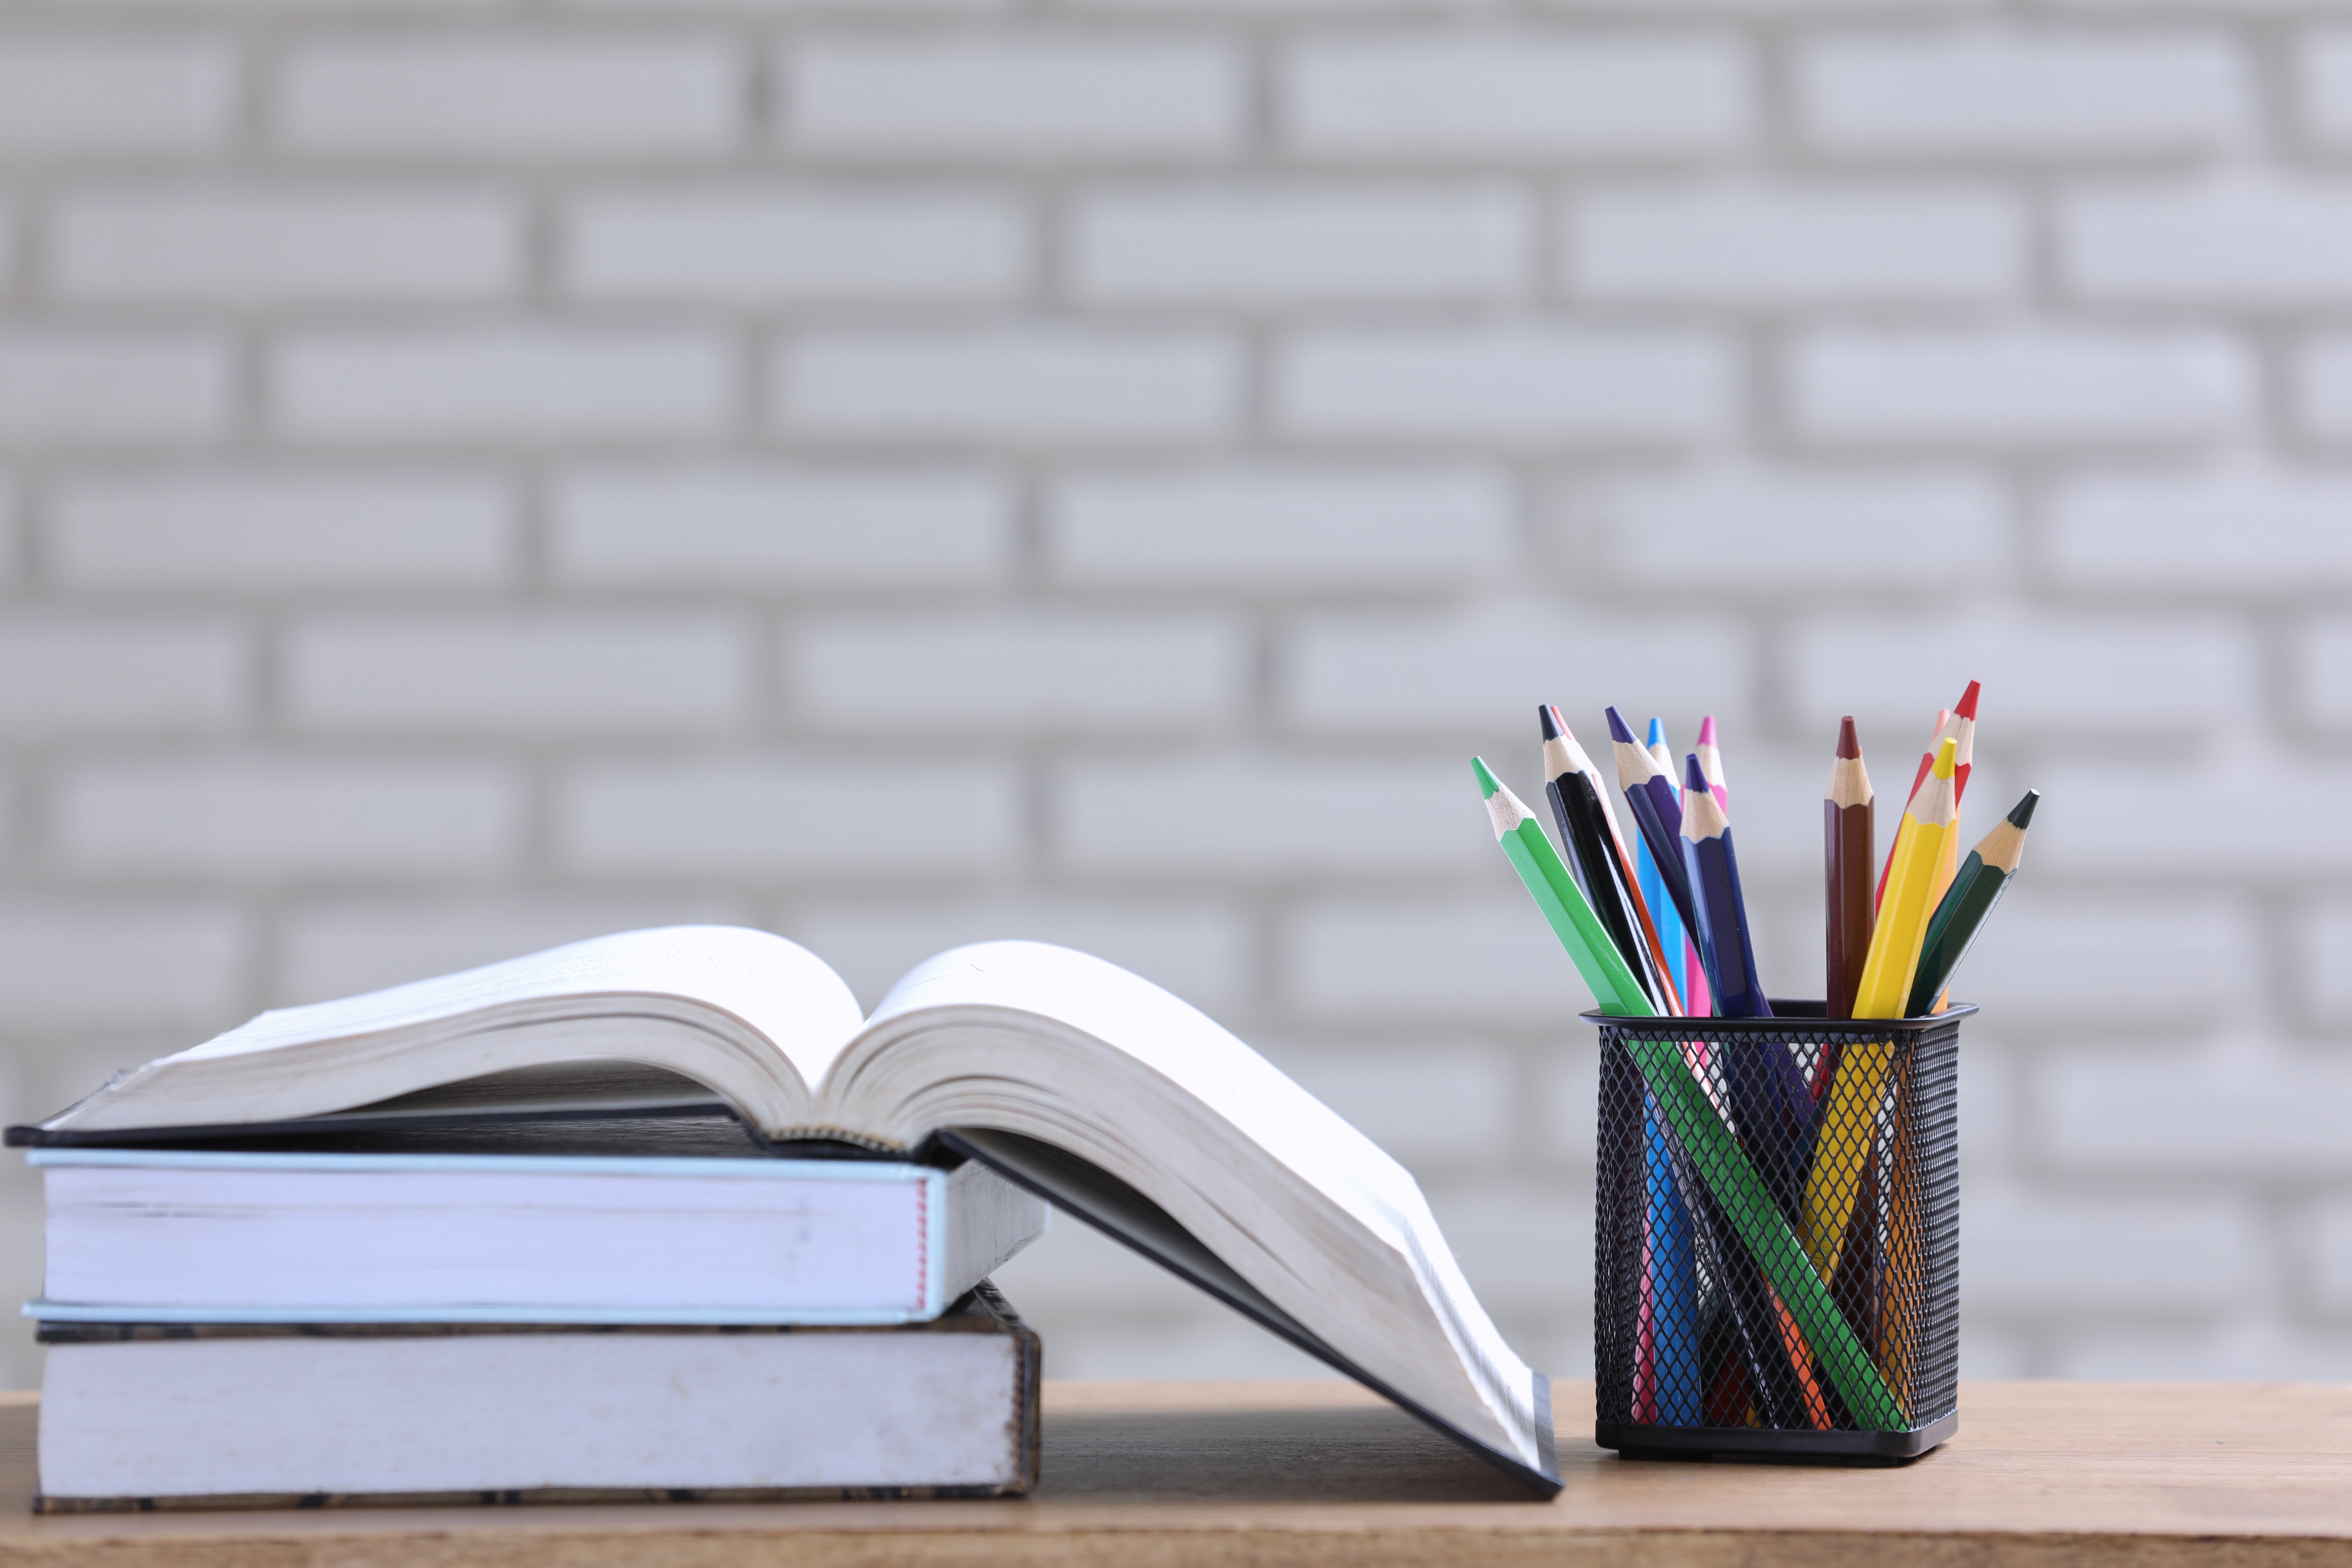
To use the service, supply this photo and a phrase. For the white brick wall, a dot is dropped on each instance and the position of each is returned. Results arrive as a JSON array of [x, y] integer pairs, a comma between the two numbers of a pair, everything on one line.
[[473, 476]]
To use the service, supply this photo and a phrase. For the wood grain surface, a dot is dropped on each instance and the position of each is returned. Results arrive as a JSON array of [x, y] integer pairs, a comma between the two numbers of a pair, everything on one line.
[[1322, 1473]]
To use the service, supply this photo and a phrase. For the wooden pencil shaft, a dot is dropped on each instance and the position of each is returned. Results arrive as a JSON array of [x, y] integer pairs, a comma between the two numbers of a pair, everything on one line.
[[1659, 816], [1849, 854], [1959, 920], [1724, 947], [1564, 907]]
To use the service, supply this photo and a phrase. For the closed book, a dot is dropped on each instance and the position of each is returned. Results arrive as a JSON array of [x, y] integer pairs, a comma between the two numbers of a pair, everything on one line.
[[250, 1415], [676, 1221]]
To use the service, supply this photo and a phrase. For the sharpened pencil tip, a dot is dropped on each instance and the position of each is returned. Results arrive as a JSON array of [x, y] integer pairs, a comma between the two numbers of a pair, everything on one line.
[[1617, 728], [1849, 737], [1706, 730], [1545, 718], [2020, 815], [1693, 776], [1946, 758], [1488, 782], [1968, 703], [1658, 733]]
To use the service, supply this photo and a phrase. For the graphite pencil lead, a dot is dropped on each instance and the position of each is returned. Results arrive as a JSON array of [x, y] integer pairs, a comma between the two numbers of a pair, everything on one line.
[[2020, 815], [1547, 717]]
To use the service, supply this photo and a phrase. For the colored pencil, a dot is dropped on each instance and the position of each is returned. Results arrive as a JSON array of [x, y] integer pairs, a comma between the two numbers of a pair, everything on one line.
[[1710, 761], [1566, 910], [1657, 811], [1643, 897], [1578, 809], [1849, 829], [1670, 1281], [1979, 884], [1712, 864], [1698, 999], [1958, 725], [1849, 1122], [1698, 1130]]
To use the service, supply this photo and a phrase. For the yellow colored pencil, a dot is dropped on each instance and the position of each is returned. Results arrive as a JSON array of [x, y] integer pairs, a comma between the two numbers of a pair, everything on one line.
[[1849, 1124]]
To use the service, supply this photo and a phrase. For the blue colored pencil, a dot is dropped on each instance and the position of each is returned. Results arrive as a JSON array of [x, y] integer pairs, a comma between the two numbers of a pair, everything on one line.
[[1713, 867], [1677, 1373]]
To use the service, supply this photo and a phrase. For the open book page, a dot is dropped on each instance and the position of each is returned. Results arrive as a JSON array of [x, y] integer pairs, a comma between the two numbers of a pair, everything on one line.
[[1059, 1045], [751, 1015]]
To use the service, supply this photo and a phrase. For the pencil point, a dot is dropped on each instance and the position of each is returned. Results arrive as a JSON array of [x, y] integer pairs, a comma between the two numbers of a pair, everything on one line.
[[1658, 731], [2020, 815], [1706, 730], [1693, 776], [1617, 728], [1544, 718], [1488, 782], [1946, 758], [1849, 738], [1968, 704]]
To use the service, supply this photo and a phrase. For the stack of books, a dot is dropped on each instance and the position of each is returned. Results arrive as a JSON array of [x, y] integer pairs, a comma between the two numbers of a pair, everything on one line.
[[662, 1216]]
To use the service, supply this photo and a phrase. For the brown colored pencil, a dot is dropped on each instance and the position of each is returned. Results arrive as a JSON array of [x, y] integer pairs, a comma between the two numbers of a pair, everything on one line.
[[1849, 828]]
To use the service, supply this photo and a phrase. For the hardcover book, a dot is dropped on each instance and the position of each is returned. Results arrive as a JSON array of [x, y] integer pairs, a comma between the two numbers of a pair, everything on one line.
[[1066, 1075]]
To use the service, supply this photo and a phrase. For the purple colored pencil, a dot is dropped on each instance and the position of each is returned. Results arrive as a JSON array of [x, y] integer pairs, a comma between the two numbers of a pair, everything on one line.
[[1657, 811]]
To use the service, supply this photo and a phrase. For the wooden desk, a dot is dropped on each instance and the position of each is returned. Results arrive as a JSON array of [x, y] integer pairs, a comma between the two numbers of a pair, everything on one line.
[[1164, 1474]]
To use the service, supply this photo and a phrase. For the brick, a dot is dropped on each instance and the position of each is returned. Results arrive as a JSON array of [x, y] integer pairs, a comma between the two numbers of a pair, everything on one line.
[[2260, 1350], [1257, 817], [2324, 947], [1450, 672], [8, 231], [513, 672], [1512, 384], [1312, 243], [12, 531], [1290, 527], [1524, 1251], [748, 244], [1737, 526], [2321, 378], [278, 816], [1202, 949], [63, 673], [1025, 668], [2135, 831], [1741, 243], [279, 529], [1011, 385], [1568, 1099], [2327, 1249], [1433, 1103], [1494, 95], [2175, 964], [2250, 242], [541, 96], [2323, 72], [480, 384], [2268, 1114], [325, 948], [116, 93], [97, 385], [749, 817], [283, 244], [1441, 960], [1047, 95], [81, 961], [2045, 1252], [780, 528], [2017, 387], [2232, 529], [1985, 92], [2075, 673]]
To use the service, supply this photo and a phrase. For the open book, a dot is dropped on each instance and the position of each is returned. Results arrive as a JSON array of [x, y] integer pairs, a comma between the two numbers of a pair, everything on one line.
[[1069, 1076]]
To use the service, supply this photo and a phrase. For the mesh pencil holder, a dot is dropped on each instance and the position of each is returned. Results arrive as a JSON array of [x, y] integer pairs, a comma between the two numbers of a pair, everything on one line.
[[1777, 1235]]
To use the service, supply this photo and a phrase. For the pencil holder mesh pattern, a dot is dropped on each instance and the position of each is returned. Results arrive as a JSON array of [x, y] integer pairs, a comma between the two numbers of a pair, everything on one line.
[[1778, 1235]]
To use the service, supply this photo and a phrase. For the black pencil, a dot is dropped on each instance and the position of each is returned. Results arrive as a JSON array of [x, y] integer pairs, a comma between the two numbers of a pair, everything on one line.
[[1576, 808]]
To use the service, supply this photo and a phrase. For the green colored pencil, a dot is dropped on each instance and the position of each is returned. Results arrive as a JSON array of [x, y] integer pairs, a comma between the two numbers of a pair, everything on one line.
[[1711, 1147], [1976, 887]]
